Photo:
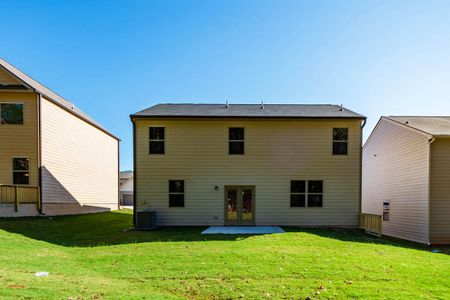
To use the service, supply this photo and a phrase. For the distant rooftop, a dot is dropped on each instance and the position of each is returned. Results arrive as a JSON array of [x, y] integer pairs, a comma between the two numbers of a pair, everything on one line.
[[248, 111], [434, 125]]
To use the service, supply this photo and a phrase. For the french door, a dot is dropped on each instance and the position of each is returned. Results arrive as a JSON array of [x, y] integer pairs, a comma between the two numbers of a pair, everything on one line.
[[239, 205]]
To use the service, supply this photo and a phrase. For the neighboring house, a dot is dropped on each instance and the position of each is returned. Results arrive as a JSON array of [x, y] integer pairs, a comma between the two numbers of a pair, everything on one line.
[[126, 188], [406, 177], [54, 159], [214, 164]]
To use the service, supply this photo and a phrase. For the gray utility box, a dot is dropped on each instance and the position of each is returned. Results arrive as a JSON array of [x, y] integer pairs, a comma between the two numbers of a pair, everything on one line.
[[146, 220]]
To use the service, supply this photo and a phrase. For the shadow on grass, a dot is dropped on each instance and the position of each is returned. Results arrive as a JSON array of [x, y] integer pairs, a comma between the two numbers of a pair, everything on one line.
[[101, 229], [115, 228], [359, 236]]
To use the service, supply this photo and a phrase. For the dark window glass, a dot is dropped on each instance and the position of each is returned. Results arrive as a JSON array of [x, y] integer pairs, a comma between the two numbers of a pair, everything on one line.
[[298, 186], [297, 200], [315, 186], [340, 148], [176, 186], [299, 193], [21, 174], [236, 141], [21, 178], [176, 200], [20, 164], [340, 141], [314, 200], [340, 134], [11, 113], [236, 148], [156, 133], [156, 145], [176, 193], [236, 134]]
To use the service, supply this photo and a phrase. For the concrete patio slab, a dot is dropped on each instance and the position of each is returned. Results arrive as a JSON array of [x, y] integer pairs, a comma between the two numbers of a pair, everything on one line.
[[243, 230]]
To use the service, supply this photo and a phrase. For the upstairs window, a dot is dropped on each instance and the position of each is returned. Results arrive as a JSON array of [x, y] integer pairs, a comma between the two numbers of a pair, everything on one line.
[[11, 113], [156, 140], [21, 170], [306, 193], [340, 141], [176, 193], [236, 141]]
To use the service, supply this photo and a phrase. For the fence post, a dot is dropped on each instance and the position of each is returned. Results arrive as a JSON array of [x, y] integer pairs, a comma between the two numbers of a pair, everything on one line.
[[17, 198]]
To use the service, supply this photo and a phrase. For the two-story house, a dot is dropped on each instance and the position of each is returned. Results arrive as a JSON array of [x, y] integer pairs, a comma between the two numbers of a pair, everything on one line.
[[245, 164], [54, 159]]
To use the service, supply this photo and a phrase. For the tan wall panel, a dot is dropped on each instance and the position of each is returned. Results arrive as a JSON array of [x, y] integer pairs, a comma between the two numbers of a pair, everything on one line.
[[6, 78], [80, 162], [276, 151], [396, 168], [440, 192], [19, 140]]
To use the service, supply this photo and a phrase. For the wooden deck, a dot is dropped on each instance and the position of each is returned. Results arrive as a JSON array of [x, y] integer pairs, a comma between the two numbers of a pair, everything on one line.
[[372, 224], [19, 194]]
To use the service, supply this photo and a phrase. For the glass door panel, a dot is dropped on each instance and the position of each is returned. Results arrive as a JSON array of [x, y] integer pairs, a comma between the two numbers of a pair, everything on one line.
[[232, 204], [239, 205], [247, 205]]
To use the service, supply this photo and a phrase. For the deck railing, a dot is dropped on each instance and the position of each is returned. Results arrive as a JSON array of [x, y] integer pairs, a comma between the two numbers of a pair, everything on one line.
[[18, 194], [372, 224]]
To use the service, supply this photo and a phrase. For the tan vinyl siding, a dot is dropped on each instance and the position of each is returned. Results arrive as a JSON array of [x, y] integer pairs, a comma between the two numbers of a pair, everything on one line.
[[396, 168], [79, 163], [6, 78], [19, 140], [276, 152], [440, 192]]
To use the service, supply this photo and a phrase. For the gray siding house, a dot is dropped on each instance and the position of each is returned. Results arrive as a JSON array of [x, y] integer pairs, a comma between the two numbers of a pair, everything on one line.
[[246, 164], [406, 176]]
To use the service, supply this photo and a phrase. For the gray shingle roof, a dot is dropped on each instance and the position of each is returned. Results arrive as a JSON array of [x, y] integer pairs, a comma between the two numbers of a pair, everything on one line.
[[434, 125], [248, 111], [57, 99]]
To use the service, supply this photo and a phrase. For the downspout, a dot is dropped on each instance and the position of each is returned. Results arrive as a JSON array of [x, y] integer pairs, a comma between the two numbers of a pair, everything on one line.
[[430, 141], [39, 148], [134, 173], [360, 165]]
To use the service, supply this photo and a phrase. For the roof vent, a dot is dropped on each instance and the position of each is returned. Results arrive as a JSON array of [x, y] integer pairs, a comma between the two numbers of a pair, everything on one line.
[[72, 106], [342, 108], [227, 105], [407, 122], [262, 105]]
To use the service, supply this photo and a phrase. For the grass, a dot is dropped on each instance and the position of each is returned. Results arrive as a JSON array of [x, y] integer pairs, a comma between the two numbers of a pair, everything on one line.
[[95, 257]]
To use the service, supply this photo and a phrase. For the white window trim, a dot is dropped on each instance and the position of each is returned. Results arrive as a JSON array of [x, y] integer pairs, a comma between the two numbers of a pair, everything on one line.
[[21, 171], [306, 193], [157, 140]]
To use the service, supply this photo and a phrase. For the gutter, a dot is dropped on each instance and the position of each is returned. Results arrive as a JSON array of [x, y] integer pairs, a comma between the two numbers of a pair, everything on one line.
[[244, 117]]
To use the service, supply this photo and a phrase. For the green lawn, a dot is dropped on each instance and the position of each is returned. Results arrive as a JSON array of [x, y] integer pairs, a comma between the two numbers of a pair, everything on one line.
[[95, 257]]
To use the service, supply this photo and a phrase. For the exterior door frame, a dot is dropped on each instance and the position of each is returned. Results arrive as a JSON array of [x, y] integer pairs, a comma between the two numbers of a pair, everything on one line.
[[239, 200]]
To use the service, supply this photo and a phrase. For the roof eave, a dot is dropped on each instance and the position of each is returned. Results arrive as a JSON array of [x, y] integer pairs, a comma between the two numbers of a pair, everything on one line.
[[245, 117]]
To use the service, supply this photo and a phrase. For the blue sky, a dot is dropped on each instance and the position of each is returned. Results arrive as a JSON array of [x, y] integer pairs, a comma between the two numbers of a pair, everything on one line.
[[113, 58]]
